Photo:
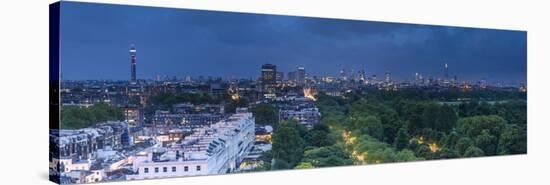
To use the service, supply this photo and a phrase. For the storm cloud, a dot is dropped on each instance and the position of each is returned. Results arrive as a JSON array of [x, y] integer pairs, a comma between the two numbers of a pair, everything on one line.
[[95, 39]]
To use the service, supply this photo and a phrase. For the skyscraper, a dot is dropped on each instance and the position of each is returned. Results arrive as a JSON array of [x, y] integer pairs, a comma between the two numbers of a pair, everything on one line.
[[361, 75], [301, 75], [269, 74], [343, 75], [446, 71], [387, 77], [292, 76], [133, 62], [280, 76]]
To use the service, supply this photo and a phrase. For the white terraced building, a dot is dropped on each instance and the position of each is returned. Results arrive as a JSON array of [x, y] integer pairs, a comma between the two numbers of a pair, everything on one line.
[[214, 149]]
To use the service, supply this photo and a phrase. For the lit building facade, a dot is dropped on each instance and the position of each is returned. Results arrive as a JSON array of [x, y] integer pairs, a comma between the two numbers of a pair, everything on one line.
[[269, 74], [215, 149], [133, 52], [307, 116]]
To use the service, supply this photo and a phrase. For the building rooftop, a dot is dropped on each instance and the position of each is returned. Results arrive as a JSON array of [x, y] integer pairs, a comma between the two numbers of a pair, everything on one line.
[[205, 141]]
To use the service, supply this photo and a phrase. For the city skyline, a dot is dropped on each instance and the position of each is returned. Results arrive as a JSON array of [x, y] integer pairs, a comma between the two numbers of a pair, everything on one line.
[[142, 93], [178, 42]]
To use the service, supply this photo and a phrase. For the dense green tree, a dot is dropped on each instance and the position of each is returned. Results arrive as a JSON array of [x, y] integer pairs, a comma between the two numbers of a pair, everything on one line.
[[302, 130], [402, 139], [440, 118], [414, 144], [405, 155], [432, 135], [288, 145], [473, 126], [465, 109], [487, 142], [382, 155], [483, 109], [391, 129], [280, 164], [424, 152], [446, 119], [433, 124], [321, 127], [334, 118], [369, 125], [413, 113], [430, 115], [318, 138], [366, 143], [450, 140], [74, 117], [327, 156], [473, 151], [513, 140], [514, 112], [462, 144], [304, 165], [388, 117], [265, 114], [385, 155], [446, 153]]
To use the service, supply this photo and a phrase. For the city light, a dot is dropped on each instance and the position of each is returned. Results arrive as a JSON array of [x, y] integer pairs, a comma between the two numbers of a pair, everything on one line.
[[176, 114], [235, 96], [351, 140], [234, 93], [432, 145], [308, 93]]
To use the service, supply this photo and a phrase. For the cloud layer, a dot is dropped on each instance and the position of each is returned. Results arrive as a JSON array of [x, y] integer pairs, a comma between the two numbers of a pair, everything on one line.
[[95, 40]]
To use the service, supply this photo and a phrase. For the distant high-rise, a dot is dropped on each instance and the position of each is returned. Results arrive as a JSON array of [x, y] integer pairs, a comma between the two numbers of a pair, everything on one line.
[[279, 77], [292, 76], [361, 75], [301, 75], [446, 71], [269, 74], [387, 77], [133, 62], [343, 76]]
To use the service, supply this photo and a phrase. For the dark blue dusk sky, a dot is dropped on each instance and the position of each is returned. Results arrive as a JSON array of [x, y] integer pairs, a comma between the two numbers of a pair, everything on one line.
[[95, 39]]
